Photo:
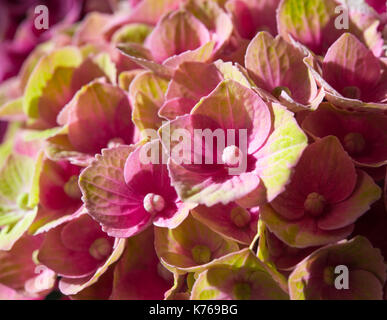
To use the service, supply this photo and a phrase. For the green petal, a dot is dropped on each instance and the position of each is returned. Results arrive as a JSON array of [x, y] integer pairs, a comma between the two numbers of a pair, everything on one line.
[[64, 58], [281, 152]]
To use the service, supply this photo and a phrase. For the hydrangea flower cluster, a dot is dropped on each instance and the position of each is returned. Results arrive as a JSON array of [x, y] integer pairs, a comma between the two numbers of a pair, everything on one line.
[[194, 149]]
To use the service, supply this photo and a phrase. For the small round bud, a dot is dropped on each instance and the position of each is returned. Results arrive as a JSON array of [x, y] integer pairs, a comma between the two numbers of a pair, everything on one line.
[[354, 143], [100, 249], [71, 188], [314, 204], [201, 254], [153, 203], [240, 217], [231, 156]]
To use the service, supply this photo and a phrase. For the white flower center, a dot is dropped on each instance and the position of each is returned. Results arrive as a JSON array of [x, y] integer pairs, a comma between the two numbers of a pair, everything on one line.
[[231, 156], [153, 203]]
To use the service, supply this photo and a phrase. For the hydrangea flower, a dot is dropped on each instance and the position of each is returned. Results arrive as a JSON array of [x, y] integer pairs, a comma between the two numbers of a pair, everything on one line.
[[314, 278], [324, 198], [234, 107], [139, 274], [79, 251], [352, 76], [239, 276], [139, 194], [59, 195], [278, 67], [363, 136], [21, 277]]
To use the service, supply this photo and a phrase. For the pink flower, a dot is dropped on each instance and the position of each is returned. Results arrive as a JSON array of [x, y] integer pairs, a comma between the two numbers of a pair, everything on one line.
[[138, 194], [324, 199]]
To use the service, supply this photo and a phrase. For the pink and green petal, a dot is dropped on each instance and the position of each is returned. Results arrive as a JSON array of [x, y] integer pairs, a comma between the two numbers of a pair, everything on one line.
[[344, 213], [70, 286], [281, 152], [139, 275], [366, 25], [59, 148], [17, 265], [99, 108], [147, 95], [368, 129], [132, 32], [176, 32], [73, 258], [311, 22], [148, 11], [203, 188], [274, 64], [234, 106], [348, 63], [216, 20], [202, 54], [302, 233], [44, 92], [239, 276], [19, 194], [188, 86], [158, 182], [230, 221], [103, 186], [327, 169], [91, 29], [251, 16], [314, 277], [190, 246], [126, 77]]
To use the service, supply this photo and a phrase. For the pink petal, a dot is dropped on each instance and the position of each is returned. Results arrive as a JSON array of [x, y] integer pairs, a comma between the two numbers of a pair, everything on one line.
[[347, 212], [348, 63], [176, 33]]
